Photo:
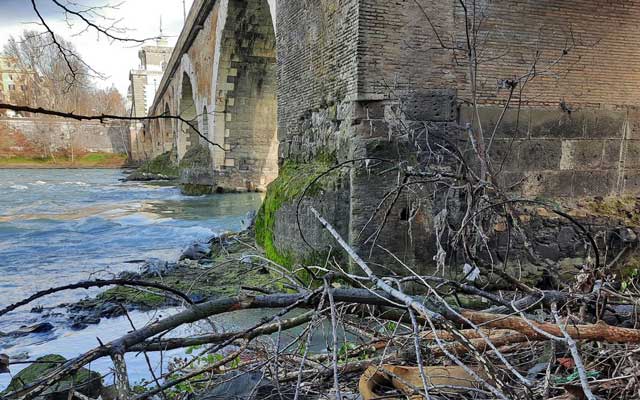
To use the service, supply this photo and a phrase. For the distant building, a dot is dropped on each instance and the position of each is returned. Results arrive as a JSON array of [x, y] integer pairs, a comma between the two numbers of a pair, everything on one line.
[[15, 81], [144, 81], [143, 84]]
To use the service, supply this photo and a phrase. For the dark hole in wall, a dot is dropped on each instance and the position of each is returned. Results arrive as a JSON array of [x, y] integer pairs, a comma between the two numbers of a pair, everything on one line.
[[404, 214]]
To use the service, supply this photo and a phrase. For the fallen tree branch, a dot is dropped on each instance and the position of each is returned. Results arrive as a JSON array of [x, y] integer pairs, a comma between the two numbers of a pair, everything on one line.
[[600, 332], [95, 284], [195, 313], [179, 343]]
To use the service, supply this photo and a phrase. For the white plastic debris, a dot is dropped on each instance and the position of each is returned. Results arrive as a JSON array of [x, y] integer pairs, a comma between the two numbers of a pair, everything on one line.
[[471, 272]]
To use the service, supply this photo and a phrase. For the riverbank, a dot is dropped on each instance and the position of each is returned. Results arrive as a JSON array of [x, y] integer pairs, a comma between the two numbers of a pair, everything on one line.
[[227, 265], [91, 160]]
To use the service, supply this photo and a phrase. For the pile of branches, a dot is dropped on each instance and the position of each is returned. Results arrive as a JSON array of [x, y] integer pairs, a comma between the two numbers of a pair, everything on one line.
[[525, 344]]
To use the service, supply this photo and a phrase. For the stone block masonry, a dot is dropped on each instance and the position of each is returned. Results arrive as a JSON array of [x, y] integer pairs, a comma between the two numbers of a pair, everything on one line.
[[222, 78]]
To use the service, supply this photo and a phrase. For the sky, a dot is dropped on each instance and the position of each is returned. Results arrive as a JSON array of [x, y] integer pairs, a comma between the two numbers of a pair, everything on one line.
[[114, 60]]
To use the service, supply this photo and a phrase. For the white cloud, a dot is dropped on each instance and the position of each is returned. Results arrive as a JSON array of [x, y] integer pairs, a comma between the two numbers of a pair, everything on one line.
[[113, 59]]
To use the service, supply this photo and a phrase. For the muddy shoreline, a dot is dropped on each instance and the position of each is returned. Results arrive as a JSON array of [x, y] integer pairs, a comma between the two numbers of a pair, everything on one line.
[[218, 268]]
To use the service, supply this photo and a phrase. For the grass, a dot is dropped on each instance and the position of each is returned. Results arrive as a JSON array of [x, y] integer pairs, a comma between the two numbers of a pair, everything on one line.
[[95, 160]]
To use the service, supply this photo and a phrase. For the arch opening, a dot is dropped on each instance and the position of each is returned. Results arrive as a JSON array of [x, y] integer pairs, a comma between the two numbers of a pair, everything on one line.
[[188, 136], [167, 130], [205, 125], [246, 104]]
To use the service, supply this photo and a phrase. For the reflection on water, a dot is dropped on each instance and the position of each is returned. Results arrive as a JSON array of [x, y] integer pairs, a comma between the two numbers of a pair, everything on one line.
[[63, 226]]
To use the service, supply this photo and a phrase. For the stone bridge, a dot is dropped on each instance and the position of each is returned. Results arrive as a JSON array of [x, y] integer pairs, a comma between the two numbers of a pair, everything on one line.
[[222, 77], [304, 84]]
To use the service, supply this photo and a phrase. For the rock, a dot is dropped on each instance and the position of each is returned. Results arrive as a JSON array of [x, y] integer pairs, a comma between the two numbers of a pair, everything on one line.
[[197, 298], [534, 372], [78, 326], [628, 236], [4, 364], [567, 241], [249, 220], [548, 251], [247, 260], [147, 177], [240, 385], [37, 310], [110, 310], [195, 252], [129, 275], [157, 267], [42, 327], [188, 263], [84, 381], [20, 356], [80, 322]]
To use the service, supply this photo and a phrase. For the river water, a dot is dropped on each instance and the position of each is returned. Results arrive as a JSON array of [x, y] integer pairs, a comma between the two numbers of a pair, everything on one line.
[[64, 226]]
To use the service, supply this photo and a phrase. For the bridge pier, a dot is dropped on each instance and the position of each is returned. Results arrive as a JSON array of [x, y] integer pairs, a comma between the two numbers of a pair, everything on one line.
[[357, 79]]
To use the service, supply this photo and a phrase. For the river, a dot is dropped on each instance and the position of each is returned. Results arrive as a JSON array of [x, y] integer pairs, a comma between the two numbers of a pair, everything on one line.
[[64, 226]]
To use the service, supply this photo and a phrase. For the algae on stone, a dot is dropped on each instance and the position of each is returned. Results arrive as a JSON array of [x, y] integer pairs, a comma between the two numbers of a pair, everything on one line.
[[196, 156], [230, 269], [162, 165], [291, 183], [84, 381]]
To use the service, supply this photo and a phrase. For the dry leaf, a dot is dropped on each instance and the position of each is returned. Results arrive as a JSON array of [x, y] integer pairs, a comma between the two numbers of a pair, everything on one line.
[[567, 362]]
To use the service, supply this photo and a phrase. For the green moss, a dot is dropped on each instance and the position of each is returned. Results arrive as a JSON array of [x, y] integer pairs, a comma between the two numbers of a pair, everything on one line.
[[87, 160], [161, 165], [84, 381], [196, 156], [623, 208], [127, 295], [293, 179], [191, 189]]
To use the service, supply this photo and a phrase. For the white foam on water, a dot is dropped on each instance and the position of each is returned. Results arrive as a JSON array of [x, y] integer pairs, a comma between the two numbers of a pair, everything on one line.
[[19, 187], [76, 183]]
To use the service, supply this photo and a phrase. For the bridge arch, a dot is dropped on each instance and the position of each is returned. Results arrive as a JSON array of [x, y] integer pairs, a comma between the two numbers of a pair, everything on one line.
[[167, 129], [187, 135], [244, 88]]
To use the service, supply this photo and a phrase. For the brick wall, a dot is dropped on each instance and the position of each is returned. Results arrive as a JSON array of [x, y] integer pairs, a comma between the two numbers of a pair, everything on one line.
[[317, 71]]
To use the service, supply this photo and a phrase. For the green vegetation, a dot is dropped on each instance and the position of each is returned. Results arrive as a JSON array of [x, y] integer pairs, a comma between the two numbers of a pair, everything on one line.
[[293, 179], [84, 381], [127, 295], [622, 208], [161, 165], [195, 157], [197, 160], [89, 160], [194, 279], [192, 189]]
